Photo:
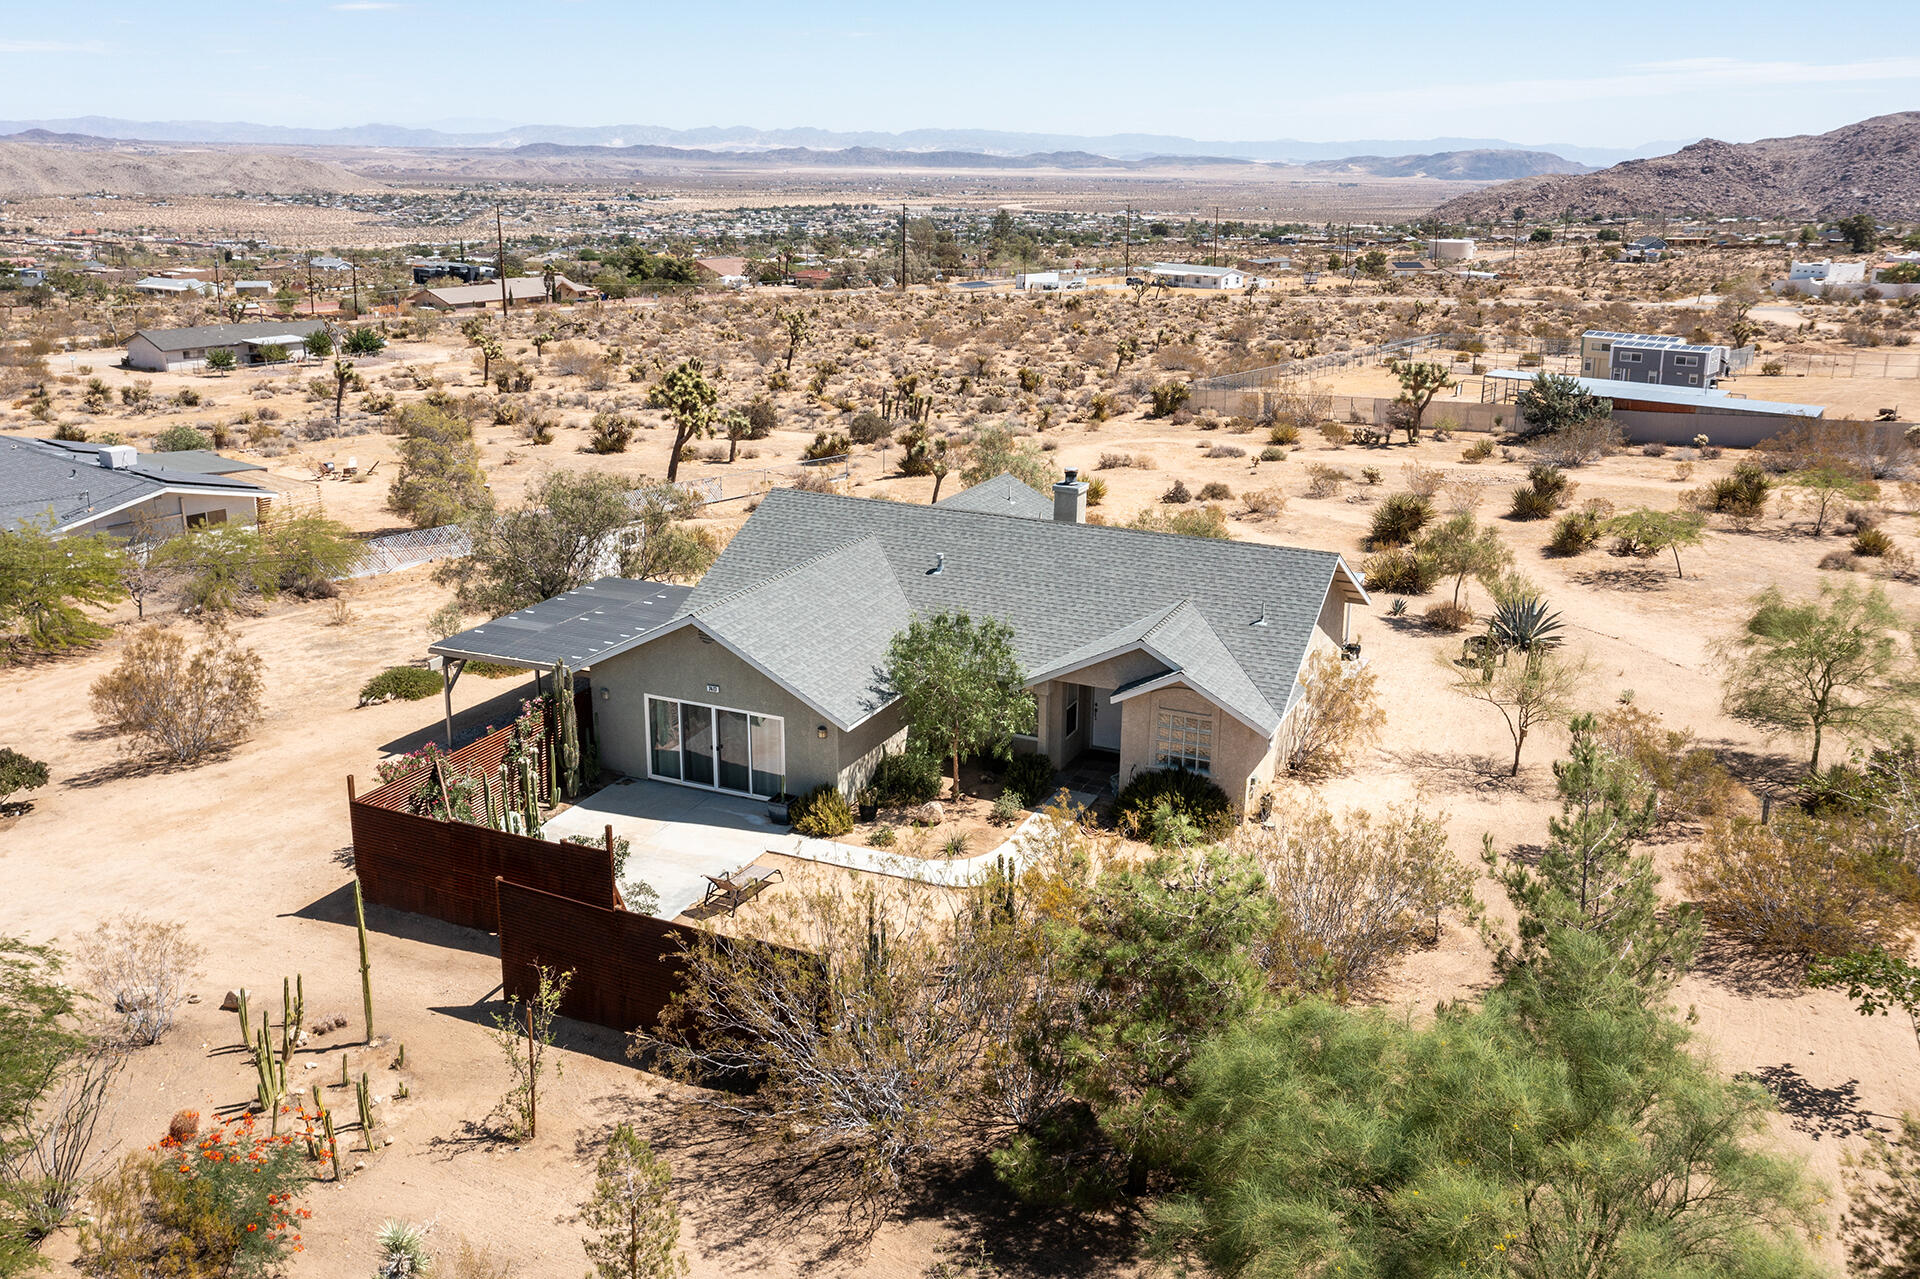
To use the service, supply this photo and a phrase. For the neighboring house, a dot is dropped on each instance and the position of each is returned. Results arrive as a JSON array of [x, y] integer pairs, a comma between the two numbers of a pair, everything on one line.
[[1186, 275], [256, 288], [112, 488], [1156, 650], [1596, 348], [1405, 267], [730, 272], [1643, 398], [168, 286], [427, 270], [330, 264], [172, 350], [1827, 271], [1666, 363], [811, 278], [475, 297]]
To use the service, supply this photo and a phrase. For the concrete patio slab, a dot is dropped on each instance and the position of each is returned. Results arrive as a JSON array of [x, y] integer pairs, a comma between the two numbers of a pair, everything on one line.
[[681, 834]]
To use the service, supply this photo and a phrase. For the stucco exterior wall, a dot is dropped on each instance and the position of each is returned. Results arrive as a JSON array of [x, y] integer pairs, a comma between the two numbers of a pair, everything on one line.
[[169, 513], [682, 664], [1331, 626], [1241, 757]]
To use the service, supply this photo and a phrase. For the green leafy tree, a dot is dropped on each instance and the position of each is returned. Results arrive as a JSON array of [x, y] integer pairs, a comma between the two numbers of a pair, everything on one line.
[[440, 480], [221, 359], [996, 450], [1159, 956], [635, 1225], [1537, 689], [549, 544], [1462, 549], [38, 1043], [1420, 381], [319, 344], [1650, 532], [306, 552], [1529, 1138], [1823, 486], [220, 565], [691, 400], [364, 341], [959, 683], [660, 545], [46, 582], [1553, 402], [19, 773], [1810, 666], [1862, 232]]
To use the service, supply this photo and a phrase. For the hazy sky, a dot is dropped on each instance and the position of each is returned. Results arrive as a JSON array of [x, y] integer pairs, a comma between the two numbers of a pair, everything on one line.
[[1588, 74]]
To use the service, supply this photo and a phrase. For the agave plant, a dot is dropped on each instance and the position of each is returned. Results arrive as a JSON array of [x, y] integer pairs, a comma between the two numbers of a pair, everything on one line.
[[1525, 623]]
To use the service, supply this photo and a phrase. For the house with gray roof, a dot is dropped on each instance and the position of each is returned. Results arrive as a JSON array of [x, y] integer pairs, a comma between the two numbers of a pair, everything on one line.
[[113, 488], [177, 350], [1149, 650]]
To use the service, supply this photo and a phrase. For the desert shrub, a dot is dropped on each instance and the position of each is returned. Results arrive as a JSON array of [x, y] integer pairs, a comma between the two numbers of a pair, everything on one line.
[[180, 706], [822, 813], [1531, 504], [1423, 481], [1169, 398], [1117, 461], [1401, 572], [1335, 434], [1201, 521], [1399, 519], [612, 433], [1226, 450], [400, 684], [1371, 474], [1190, 796], [1007, 809], [1653, 448], [868, 427], [1872, 542], [138, 970], [1215, 491], [180, 437], [1800, 886], [1351, 895], [1096, 491], [1273, 453], [1324, 480], [1177, 493], [1339, 713], [1263, 502], [1284, 433], [906, 778], [1692, 784], [1028, 778], [1575, 532], [1445, 615], [1478, 451], [71, 431], [220, 1204], [1742, 494], [1578, 443], [825, 444]]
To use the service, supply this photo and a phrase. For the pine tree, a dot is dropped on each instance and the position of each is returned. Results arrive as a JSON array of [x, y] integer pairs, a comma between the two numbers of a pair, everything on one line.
[[635, 1223]]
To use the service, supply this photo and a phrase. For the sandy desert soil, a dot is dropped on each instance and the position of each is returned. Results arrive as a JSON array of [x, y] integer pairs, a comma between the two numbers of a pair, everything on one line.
[[249, 851]]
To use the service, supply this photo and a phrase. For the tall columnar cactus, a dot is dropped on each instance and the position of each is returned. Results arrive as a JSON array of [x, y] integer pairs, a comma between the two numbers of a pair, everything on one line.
[[363, 1095], [366, 968], [246, 1019], [530, 795], [566, 730]]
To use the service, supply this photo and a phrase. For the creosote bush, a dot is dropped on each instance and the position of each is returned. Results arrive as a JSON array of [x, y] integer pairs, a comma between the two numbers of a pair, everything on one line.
[[1402, 572], [178, 705], [1339, 714], [400, 683], [821, 813], [1190, 796]]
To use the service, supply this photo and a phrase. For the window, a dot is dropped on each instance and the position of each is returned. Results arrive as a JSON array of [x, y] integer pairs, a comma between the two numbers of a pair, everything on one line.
[[1070, 723], [1184, 740], [715, 747], [1686, 361], [1693, 378], [1631, 357]]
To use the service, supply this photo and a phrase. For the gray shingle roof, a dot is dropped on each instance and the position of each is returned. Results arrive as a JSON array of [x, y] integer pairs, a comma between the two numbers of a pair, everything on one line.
[[814, 584], [226, 334], [1002, 495], [38, 477], [575, 627], [180, 461]]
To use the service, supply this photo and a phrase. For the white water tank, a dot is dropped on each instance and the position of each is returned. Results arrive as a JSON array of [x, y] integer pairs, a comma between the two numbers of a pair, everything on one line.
[[1452, 250]]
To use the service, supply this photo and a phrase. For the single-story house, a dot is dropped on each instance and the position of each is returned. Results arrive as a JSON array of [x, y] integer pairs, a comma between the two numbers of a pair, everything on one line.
[[1408, 266], [731, 271], [330, 264], [1827, 271], [113, 488], [1151, 650], [170, 286], [811, 278], [261, 287], [171, 350], [476, 297], [1186, 275]]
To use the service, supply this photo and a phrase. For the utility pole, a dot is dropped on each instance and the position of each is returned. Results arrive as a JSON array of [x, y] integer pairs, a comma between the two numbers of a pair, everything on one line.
[[903, 249], [1127, 270], [500, 260], [355, 267], [313, 304], [1214, 259]]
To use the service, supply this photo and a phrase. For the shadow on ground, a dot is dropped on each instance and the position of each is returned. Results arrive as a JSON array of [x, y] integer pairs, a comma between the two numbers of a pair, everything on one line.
[[1819, 1112]]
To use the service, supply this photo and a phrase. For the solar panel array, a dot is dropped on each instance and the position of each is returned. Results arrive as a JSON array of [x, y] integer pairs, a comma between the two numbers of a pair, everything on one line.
[[574, 628]]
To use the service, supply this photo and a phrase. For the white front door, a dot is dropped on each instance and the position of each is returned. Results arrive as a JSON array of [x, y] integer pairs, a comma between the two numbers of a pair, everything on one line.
[[1103, 734]]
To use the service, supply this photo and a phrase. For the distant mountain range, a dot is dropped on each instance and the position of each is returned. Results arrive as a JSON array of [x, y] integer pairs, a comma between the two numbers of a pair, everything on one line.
[[1872, 167], [1120, 146]]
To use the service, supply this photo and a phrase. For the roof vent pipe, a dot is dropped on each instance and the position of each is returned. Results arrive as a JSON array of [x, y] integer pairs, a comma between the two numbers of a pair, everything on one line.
[[939, 564]]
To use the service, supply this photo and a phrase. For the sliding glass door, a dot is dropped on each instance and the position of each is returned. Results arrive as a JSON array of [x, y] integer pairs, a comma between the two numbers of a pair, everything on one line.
[[715, 747]]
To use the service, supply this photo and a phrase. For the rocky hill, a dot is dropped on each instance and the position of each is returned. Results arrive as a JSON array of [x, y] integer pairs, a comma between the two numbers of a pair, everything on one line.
[[62, 166], [1452, 166], [1872, 166]]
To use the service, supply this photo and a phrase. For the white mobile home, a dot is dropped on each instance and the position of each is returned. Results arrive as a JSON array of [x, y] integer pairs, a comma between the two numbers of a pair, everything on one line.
[[178, 350]]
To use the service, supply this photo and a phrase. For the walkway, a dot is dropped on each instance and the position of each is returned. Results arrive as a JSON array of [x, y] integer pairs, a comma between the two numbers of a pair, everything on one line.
[[680, 835]]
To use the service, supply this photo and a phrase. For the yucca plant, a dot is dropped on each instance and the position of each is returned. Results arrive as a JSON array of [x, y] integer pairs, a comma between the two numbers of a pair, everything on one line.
[[1525, 623]]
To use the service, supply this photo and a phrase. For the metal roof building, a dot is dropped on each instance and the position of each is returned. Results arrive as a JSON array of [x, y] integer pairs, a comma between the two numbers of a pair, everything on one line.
[[573, 628]]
